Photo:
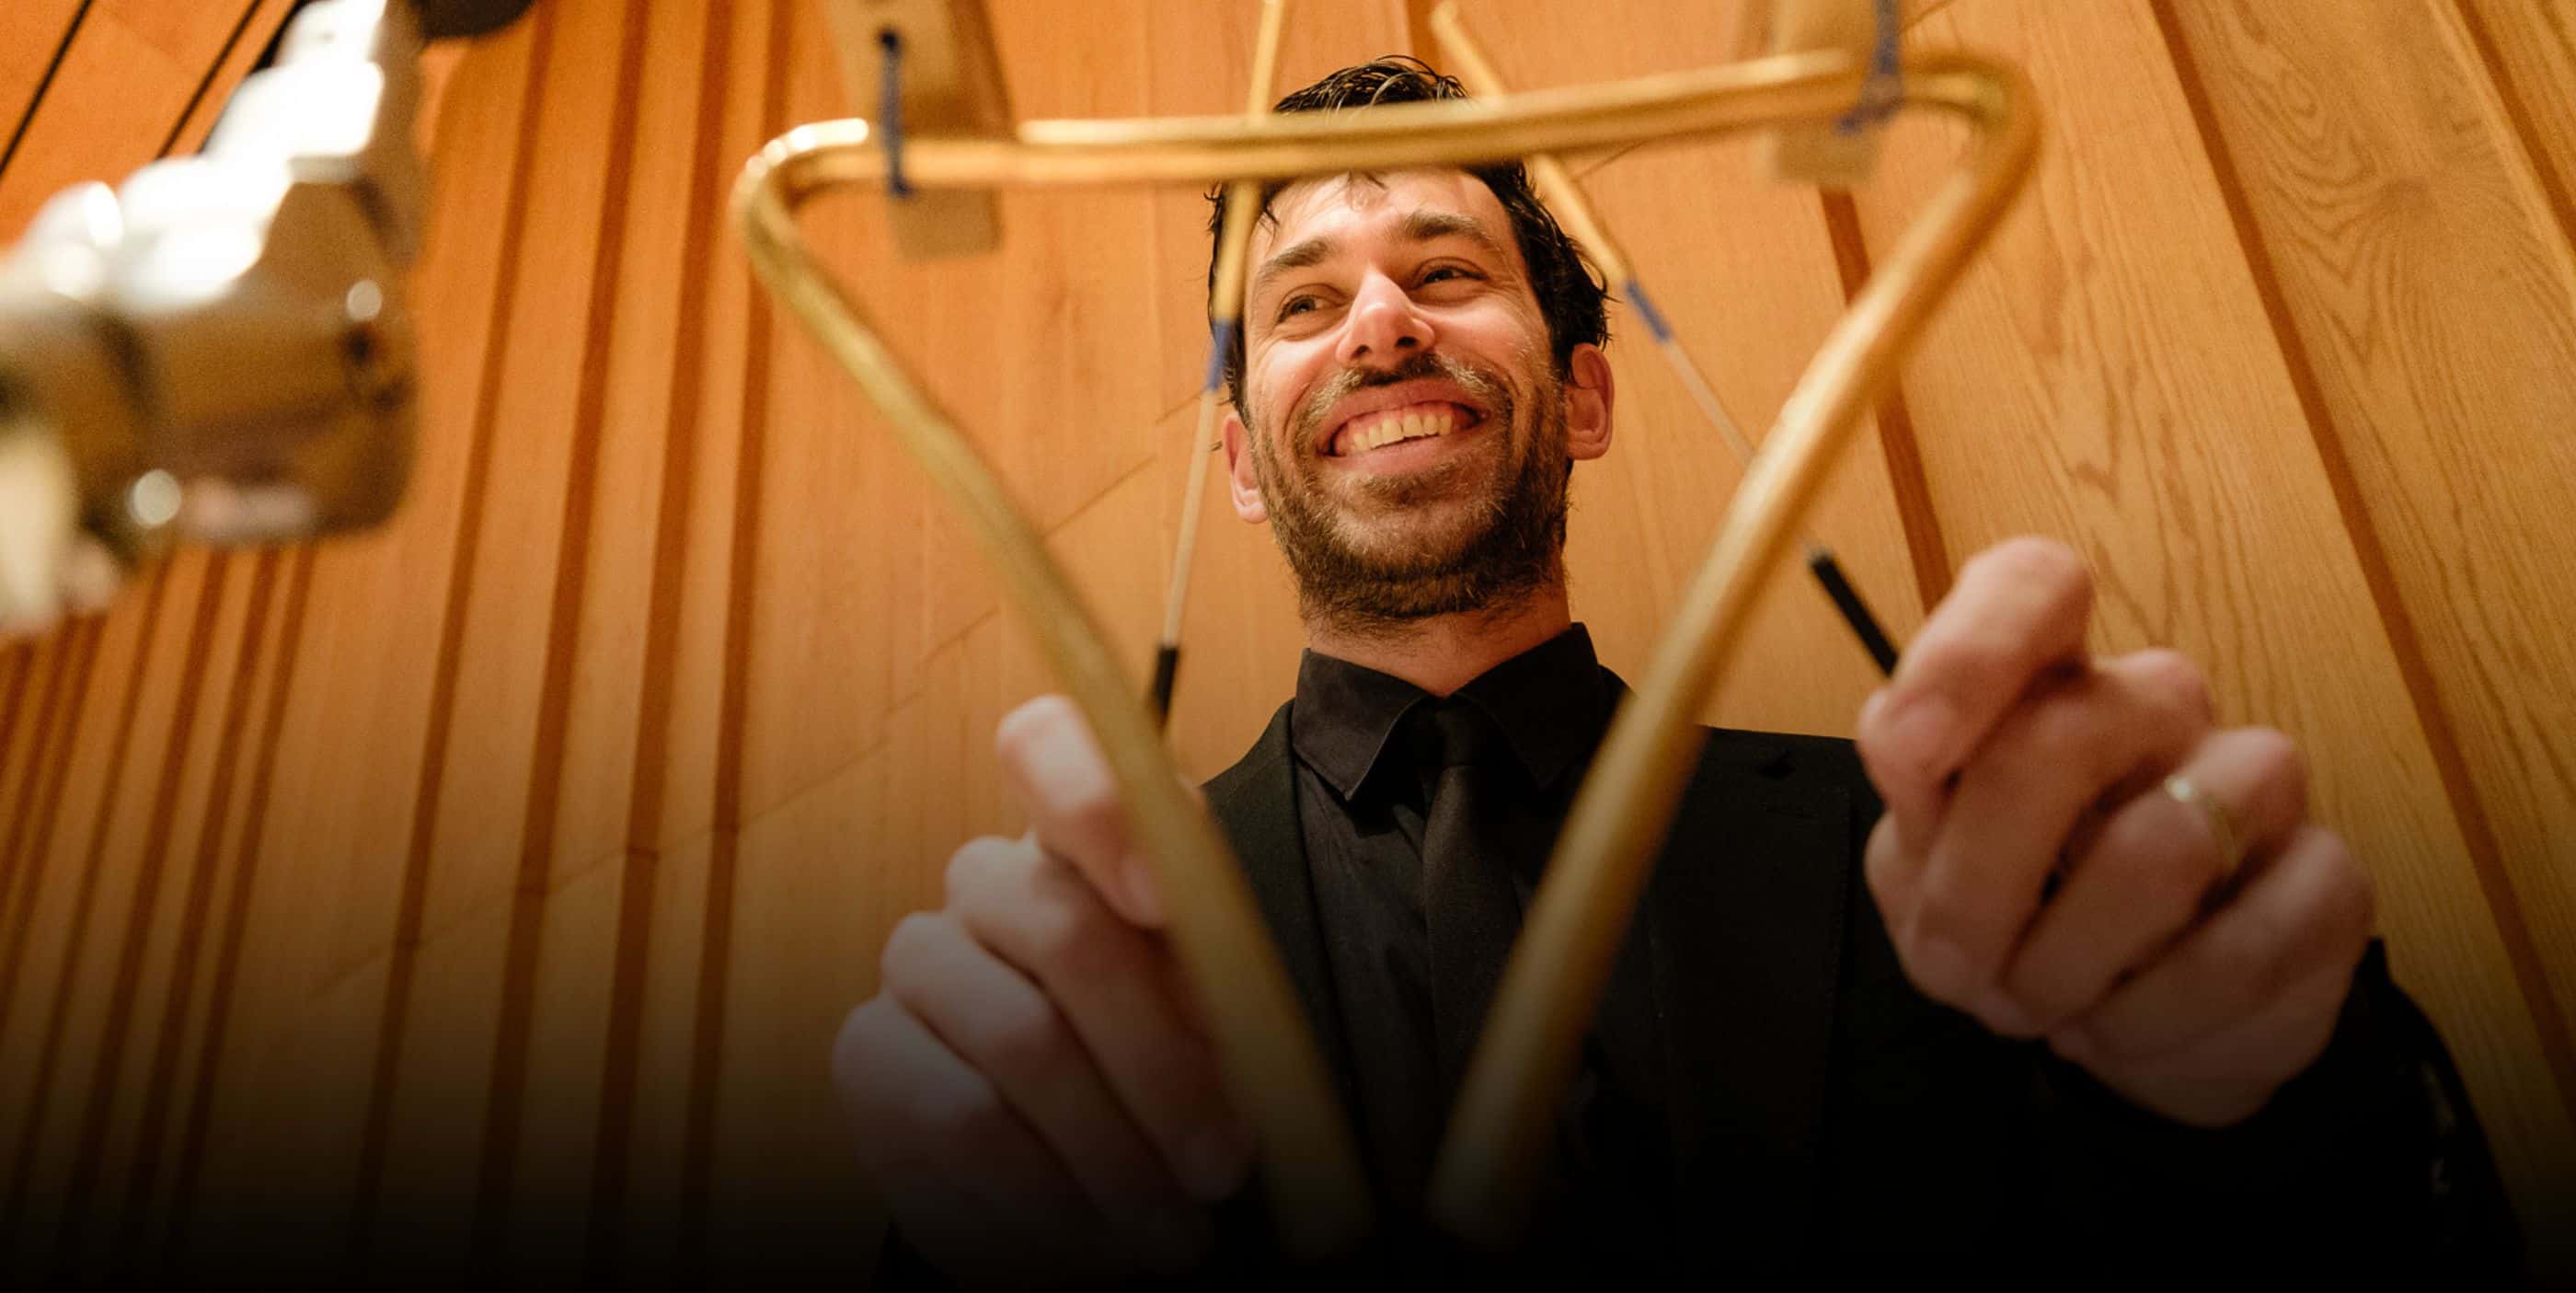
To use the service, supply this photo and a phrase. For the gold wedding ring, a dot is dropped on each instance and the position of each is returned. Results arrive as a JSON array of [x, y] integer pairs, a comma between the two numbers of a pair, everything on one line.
[[2222, 829]]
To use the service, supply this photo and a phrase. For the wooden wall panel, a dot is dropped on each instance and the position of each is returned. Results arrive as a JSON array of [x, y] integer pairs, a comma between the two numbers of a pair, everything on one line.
[[2526, 52], [2108, 374], [455, 1119], [127, 81], [57, 990], [481, 894], [111, 1127], [2430, 290], [300, 1109], [34, 36]]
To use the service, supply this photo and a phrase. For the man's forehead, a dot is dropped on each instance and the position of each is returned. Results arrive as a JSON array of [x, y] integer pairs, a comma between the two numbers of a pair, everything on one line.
[[1327, 205]]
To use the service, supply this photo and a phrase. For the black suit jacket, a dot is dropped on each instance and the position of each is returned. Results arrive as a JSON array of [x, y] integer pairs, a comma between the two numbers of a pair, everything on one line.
[[1827, 1118], [1825, 1114]]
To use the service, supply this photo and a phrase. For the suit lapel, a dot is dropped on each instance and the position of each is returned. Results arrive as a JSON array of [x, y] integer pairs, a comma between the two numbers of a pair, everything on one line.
[[1255, 801], [1745, 928]]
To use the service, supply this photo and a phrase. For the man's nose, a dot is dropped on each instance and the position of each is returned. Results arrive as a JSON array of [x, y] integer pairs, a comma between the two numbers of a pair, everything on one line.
[[1383, 329]]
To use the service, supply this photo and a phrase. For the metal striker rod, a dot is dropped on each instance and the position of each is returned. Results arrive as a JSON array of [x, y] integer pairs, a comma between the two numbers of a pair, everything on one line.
[[1225, 323], [1270, 1061], [1565, 196]]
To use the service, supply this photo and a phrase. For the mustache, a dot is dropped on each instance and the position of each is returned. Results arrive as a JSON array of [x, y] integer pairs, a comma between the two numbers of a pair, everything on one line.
[[1309, 425]]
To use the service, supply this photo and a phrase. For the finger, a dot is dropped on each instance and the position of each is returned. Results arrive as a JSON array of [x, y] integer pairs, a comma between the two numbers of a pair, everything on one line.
[[2046, 764], [1121, 989], [920, 1111], [2207, 1082], [998, 1022], [2302, 912], [938, 1142], [1074, 805], [2146, 874], [2018, 612]]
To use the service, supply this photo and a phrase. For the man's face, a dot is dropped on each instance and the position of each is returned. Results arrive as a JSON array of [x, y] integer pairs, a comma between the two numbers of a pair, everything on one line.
[[1408, 435]]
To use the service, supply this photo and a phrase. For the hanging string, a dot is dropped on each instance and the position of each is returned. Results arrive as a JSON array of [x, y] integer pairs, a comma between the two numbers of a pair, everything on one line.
[[1226, 288], [890, 110], [1885, 89]]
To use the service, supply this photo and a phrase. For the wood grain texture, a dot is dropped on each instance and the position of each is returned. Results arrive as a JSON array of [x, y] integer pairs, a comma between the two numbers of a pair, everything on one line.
[[2375, 201], [2109, 375], [481, 894], [2522, 54]]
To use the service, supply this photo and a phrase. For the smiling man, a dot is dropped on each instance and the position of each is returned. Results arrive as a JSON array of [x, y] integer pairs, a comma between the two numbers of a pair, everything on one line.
[[2048, 973]]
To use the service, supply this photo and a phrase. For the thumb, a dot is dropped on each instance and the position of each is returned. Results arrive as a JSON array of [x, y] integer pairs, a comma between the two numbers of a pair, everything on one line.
[[1076, 813]]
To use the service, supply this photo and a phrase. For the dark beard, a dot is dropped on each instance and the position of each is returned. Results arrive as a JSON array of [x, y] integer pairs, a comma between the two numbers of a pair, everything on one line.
[[1515, 545]]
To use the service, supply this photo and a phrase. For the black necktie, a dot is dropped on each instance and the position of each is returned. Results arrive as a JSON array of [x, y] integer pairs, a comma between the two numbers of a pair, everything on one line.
[[1468, 898]]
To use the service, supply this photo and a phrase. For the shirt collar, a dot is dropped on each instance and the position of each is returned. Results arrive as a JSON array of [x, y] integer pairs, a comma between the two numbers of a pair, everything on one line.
[[1552, 703]]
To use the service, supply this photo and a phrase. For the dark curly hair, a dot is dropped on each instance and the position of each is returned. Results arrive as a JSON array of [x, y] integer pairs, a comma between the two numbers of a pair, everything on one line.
[[1570, 297]]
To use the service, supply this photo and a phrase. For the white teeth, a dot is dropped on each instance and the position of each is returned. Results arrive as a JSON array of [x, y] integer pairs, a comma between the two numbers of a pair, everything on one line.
[[1410, 426]]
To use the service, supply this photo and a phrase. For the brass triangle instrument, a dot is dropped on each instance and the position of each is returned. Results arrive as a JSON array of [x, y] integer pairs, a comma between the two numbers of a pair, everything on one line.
[[1543, 1006]]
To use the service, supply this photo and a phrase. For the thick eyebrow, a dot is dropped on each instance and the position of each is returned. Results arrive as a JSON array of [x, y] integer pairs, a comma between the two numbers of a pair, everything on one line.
[[1417, 227]]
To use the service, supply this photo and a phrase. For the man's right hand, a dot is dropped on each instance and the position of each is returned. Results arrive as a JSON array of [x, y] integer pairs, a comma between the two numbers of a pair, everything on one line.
[[1032, 1090]]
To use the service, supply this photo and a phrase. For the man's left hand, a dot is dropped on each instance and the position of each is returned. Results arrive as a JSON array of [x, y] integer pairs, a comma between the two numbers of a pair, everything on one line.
[[2036, 870]]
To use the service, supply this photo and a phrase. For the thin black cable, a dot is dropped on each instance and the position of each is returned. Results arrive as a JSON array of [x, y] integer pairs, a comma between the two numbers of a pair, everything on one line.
[[890, 111]]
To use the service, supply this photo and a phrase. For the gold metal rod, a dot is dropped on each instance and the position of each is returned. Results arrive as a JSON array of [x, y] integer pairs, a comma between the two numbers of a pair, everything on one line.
[[1499, 1131], [1271, 1065], [1225, 315], [1266, 1053], [1206, 150]]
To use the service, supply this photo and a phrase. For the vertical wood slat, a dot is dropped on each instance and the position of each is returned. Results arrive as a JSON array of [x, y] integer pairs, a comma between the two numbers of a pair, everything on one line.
[[159, 804], [713, 1013], [67, 870], [1911, 489], [23, 762], [2526, 53], [168, 1246], [697, 153], [534, 898], [20, 664], [34, 37], [274, 1178], [397, 1044], [137, 1232], [30, 823]]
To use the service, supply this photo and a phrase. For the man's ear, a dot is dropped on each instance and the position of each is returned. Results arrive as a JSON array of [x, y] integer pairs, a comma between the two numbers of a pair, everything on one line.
[[1589, 393], [1238, 467]]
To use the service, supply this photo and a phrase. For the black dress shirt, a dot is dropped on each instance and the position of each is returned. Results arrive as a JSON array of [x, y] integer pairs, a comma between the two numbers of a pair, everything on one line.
[[1366, 758]]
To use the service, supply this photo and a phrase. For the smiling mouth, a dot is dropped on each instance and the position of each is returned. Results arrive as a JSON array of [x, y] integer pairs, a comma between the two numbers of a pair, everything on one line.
[[1427, 420]]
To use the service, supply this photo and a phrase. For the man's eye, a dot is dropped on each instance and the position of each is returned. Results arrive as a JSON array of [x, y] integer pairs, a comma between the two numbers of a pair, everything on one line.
[[1296, 305], [1439, 273]]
